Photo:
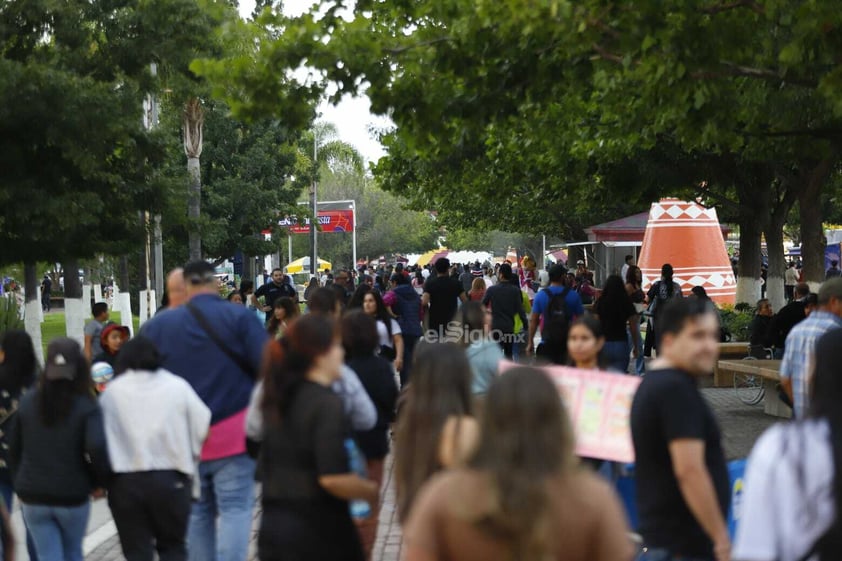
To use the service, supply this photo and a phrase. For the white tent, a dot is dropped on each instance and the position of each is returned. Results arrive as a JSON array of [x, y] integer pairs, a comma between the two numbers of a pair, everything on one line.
[[469, 256]]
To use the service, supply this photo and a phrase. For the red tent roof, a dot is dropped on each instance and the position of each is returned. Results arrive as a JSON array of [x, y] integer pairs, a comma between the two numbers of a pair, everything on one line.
[[628, 229]]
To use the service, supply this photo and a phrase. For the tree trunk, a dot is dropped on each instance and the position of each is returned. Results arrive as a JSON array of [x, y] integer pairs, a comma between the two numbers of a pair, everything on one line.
[[748, 268], [30, 282], [193, 123], [124, 274], [75, 310], [248, 267], [141, 256], [72, 286], [812, 240], [194, 201], [777, 264], [810, 212]]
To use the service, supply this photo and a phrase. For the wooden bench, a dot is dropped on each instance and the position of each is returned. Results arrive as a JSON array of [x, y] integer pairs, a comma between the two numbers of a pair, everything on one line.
[[733, 350], [769, 372], [728, 351]]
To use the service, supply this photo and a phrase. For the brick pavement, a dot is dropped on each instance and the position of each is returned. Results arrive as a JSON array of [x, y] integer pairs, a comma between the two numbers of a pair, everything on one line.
[[387, 547], [741, 425]]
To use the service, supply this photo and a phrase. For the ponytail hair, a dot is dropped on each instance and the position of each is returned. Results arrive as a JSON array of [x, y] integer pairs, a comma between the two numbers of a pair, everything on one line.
[[287, 362], [666, 275]]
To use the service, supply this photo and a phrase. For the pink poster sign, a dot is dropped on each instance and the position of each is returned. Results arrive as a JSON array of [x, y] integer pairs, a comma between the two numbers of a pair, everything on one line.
[[599, 404]]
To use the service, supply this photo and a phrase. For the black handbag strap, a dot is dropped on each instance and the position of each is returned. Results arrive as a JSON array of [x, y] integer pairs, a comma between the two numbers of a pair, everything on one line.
[[218, 341]]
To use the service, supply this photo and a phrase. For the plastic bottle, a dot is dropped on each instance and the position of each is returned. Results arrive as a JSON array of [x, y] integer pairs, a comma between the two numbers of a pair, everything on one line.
[[359, 508]]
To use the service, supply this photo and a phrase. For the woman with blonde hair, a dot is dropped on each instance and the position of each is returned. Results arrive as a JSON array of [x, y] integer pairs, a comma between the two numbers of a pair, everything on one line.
[[477, 292], [522, 496]]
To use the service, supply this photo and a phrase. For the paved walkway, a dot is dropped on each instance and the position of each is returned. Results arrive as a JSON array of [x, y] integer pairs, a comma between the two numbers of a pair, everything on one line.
[[741, 425]]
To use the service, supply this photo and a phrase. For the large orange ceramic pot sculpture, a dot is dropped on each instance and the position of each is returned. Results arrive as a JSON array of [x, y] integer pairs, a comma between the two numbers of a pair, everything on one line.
[[687, 236]]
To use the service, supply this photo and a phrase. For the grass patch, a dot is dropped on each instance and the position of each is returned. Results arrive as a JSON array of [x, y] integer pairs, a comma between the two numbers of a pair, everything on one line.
[[54, 326]]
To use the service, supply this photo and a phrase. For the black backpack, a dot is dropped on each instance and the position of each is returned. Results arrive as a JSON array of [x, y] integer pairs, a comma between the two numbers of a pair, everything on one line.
[[556, 318]]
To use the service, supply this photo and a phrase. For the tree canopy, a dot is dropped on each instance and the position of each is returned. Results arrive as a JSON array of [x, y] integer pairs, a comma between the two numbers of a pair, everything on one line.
[[77, 162], [553, 114]]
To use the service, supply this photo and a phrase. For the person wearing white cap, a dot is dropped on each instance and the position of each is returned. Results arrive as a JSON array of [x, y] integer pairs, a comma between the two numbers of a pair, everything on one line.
[[57, 453]]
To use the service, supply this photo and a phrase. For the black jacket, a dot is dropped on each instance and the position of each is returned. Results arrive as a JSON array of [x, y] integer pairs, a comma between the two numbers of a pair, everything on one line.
[[783, 322], [408, 309], [62, 464], [759, 330], [378, 379]]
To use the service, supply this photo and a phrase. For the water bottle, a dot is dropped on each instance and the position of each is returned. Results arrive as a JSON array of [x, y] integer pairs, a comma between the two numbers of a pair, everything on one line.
[[356, 461]]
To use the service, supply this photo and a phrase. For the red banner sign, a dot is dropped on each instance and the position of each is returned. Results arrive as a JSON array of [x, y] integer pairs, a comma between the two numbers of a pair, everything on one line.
[[329, 220]]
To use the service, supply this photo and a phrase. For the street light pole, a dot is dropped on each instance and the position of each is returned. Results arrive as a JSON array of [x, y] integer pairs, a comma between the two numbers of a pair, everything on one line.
[[314, 263], [354, 231], [155, 246]]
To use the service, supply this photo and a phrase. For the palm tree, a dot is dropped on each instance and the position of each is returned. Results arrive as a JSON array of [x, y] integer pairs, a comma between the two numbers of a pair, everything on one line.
[[193, 122], [327, 150]]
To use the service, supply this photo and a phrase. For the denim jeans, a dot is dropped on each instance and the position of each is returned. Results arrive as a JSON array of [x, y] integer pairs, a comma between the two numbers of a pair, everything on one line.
[[58, 531], [519, 346], [640, 361], [8, 495], [617, 355], [409, 344], [665, 555], [227, 494]]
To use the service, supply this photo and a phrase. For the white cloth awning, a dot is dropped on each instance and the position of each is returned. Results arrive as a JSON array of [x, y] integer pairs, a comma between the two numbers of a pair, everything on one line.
[[623, 244]]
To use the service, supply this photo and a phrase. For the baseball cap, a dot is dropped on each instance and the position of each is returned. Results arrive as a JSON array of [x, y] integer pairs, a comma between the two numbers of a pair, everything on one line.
[[63, 358], [113, 327], [580, 262]]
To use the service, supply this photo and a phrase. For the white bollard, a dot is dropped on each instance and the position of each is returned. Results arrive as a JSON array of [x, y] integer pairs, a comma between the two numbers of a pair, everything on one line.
[[124, 305], [40, 307], [75, 314], [144, 307], [33, 327]]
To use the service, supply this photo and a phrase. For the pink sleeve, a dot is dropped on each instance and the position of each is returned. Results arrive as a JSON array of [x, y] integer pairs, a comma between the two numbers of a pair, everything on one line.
[[390, 299]]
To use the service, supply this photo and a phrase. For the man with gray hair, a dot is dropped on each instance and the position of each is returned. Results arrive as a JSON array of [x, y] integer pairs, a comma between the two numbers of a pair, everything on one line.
[[797, 365]]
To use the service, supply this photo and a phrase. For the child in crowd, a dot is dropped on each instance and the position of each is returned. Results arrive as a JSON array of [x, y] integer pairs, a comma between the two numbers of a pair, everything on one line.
[[285, 311], [235, 298], [102, 367], [111, 340], [93, 330]]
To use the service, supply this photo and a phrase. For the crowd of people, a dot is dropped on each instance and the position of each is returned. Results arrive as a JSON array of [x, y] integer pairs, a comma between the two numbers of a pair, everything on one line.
[[308, 397]]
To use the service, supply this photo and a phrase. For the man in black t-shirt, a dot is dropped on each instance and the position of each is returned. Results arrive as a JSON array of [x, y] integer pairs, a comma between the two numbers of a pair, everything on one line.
[[441, 294], [680, 471], [506, 301], [273, 290]]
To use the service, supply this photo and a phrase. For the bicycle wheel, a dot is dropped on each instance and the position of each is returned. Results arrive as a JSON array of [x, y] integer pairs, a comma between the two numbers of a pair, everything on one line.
[[749, 388]]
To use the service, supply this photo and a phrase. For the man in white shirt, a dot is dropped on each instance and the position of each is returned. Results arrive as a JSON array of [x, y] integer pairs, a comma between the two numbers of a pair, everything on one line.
[[790, 280], [624, 271], [486, 277], [155, 425]]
